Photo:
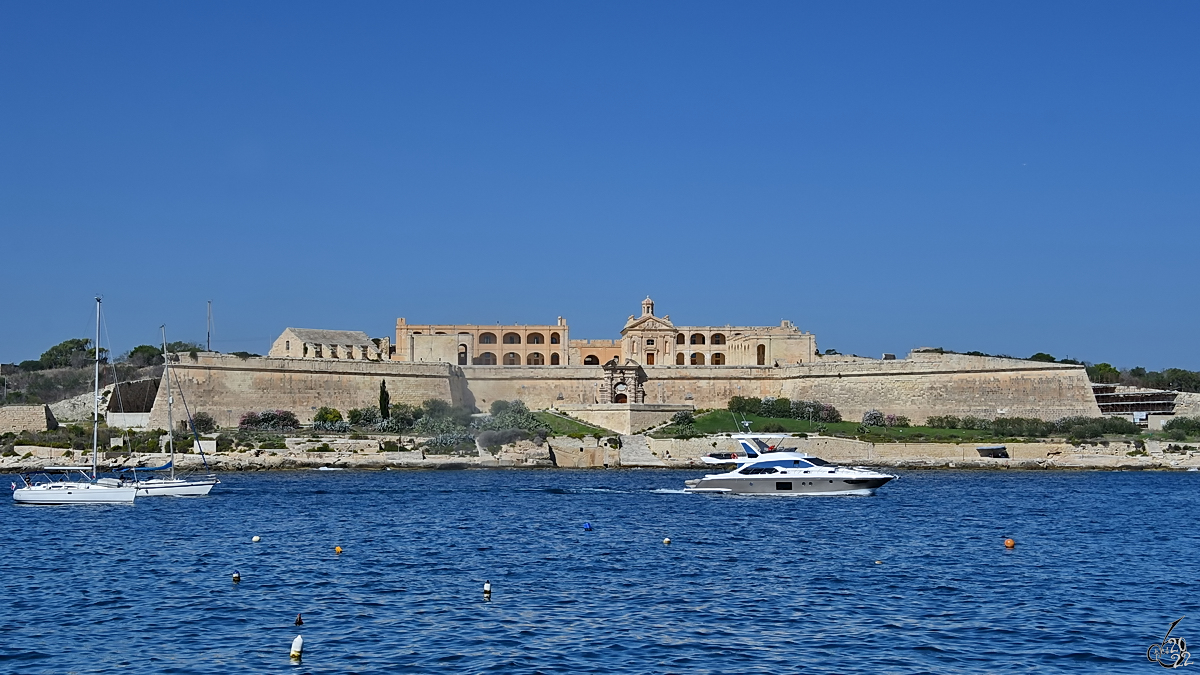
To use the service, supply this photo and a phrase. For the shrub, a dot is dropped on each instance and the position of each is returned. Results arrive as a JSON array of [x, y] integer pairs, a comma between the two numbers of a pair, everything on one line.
[[403, 416], [1190, 426], [814, 411], [873, 418], [361, 417], [896, 421], [326, 414], [437, 426], [942, 422], [745, 405], [391, 446], [773, 427], [224, 443], [683, 417], [203, 423], [272, 420], [334, 427]]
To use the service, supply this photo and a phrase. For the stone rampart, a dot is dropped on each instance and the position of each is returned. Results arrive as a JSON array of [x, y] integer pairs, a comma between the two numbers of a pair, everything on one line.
[[18, 418], [226, 386], [925, 384]]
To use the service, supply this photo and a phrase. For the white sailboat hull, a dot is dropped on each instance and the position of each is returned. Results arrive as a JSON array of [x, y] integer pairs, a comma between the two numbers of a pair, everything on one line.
[[74, 493], [175, 487]]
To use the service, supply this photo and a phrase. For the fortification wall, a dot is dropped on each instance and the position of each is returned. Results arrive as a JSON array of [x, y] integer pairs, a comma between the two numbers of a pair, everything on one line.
[[226, 386], [948, 385], [922, 385], [18, 418]]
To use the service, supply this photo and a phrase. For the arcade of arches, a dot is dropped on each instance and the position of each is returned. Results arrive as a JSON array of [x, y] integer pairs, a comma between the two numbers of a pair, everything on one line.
[[647, 340]]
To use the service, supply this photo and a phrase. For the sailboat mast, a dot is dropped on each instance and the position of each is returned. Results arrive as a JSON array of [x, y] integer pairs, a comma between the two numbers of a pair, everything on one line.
[[96, 395], [208, 329], [170, 421]]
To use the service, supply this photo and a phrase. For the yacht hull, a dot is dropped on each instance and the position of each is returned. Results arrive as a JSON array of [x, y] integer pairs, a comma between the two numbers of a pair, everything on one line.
[[179, 487], [74, 493], [795, 486]]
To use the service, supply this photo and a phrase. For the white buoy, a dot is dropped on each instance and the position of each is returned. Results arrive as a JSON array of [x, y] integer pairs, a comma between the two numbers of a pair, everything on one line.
[[487, 587], [256, 539], [297, 647], [667, 541], [236, 577]]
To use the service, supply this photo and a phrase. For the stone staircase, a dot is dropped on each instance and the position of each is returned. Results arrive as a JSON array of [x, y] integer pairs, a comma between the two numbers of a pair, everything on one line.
[[635, 451]]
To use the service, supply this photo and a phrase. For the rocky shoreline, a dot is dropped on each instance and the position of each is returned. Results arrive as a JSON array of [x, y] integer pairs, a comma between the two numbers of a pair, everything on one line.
[[637, 451]]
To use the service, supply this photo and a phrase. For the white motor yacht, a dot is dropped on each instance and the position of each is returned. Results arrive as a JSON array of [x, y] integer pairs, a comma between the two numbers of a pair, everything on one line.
[[764, 467]]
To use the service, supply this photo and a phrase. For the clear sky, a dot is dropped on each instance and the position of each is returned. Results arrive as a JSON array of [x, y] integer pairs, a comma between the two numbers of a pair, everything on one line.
[[1004, 177]]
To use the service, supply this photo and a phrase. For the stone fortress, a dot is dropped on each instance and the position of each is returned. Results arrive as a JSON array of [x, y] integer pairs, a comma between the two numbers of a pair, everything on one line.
[[652, 370]]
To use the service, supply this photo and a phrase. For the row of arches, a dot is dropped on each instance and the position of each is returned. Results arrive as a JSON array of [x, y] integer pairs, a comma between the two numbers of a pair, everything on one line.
[[698, 339], [697, 359], [511, 359], [515, 338]]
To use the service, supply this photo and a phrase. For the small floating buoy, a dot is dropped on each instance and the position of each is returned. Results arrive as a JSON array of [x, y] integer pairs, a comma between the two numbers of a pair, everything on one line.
[[587, 527], [297, 647], [299, 620], [256, 539], [667, 541], [237, 578], [487, 590], [337, 549], [878, 562], [1009, 543]]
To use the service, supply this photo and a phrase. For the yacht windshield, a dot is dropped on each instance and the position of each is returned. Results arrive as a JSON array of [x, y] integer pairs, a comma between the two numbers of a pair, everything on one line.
[[817, 461]]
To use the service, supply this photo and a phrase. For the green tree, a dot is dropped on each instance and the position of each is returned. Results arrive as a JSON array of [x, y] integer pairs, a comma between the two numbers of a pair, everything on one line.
[[385, 400], [327, 414], [67, 354], [1043, 356], [1103, 373], [145, 355]]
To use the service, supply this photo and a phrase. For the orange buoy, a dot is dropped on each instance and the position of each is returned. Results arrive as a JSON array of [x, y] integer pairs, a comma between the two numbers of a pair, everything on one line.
[[337, 550], [1009, 543]]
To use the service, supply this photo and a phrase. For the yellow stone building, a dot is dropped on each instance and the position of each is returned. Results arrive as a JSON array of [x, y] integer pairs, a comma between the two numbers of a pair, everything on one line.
[[648, 340]]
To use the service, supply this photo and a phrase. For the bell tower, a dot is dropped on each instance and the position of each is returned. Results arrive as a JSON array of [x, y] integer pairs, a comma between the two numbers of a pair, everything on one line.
[[647, 307]]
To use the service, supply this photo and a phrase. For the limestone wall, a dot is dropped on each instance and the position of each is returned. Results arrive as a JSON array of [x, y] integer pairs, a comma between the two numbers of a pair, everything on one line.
[[922, 385], [1187, 404], [227, 386], [18, 418]]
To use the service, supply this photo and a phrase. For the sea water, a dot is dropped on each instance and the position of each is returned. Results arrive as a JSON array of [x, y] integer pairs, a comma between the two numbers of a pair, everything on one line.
[[913, 580]]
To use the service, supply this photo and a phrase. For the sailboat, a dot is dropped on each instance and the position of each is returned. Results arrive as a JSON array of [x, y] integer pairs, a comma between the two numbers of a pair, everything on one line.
[[74, 484], [171, 485]]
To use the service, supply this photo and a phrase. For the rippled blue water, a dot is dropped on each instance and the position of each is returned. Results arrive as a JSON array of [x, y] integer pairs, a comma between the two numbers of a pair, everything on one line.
[[1104, 562]]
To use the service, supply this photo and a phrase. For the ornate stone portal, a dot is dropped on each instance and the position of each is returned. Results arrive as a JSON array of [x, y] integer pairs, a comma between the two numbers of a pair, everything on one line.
[[623, 383]]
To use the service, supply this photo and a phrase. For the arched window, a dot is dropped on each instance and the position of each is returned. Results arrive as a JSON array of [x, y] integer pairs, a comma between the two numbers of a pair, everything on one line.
[[620, 398], [591, 360], [487, 338], [462, 355], [535, 339], [697, 339], [554, 338], [762, 355], [679, 358], [512, 359], [535, 359], [697, 359], [680, 339], [650, 359], [554, 359], [718, 359], [440, 332], [512, 339], [718, 339], [487, 359]]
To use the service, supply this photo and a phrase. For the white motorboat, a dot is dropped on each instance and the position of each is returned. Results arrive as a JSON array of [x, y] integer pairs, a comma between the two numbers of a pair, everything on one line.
[[765, 467], [74, 484], [171, 485]]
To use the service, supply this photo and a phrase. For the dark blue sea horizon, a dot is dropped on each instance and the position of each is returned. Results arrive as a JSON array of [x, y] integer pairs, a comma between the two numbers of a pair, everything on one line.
[[1104, 562]]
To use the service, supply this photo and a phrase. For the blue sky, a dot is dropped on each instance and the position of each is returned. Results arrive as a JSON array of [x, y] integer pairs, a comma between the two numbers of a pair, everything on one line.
[[1003, 177]]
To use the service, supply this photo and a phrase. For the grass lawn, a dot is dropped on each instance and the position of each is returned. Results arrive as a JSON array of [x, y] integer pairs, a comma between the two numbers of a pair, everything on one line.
[[561, 426]]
